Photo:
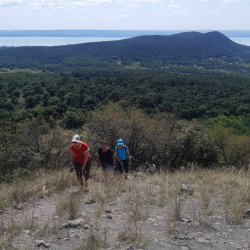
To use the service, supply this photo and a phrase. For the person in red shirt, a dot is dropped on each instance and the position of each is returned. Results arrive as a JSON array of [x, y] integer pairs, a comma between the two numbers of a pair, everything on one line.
[[81, 159]]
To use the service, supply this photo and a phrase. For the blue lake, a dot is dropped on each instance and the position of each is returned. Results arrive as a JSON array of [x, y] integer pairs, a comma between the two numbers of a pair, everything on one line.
[[241, 40], [51, 41]]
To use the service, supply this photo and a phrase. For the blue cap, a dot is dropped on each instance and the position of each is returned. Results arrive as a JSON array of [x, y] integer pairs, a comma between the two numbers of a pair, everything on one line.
[[120, 142]]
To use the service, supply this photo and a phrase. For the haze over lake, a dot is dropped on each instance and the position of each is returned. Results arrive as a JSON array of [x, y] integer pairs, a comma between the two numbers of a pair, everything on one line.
[[55, 41]]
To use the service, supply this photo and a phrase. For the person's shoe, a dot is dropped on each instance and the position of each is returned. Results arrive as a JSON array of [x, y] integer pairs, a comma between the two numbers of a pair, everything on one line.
[[86, 184], [126, 177]]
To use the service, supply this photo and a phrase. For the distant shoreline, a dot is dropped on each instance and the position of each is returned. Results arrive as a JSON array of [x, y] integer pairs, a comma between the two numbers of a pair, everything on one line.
[[109, 33], [61, 41]]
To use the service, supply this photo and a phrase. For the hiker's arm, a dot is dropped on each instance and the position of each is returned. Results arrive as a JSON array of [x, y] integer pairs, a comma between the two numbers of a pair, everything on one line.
[[98, 161], [116, 157], [86, 155], [72, 157], [128, 156]]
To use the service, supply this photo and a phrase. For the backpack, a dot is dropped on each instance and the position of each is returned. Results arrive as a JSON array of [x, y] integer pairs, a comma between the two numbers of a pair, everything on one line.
[[125, 147]]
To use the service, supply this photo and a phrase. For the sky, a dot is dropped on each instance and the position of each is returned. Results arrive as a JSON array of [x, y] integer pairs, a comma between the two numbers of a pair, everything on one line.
[[125, 14]]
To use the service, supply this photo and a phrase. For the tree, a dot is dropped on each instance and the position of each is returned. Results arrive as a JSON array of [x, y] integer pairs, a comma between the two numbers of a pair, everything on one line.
[[30, 102], [233, 150], [14, 100], [52, 122], [16, 93], [70, 119]]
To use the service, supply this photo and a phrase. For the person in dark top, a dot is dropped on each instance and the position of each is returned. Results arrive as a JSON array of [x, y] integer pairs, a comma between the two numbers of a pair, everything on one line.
[[106, 158]]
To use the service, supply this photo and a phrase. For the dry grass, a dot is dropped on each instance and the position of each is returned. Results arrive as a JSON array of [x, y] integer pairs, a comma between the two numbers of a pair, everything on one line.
[[138, 205], [132, 234], [92, 243], [14, 227], [67, 207], [226, 191], [105, 192], [172, 213], [41, 183]]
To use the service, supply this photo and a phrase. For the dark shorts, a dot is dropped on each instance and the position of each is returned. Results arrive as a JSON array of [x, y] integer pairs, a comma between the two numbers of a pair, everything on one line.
[[85, 172], [106, 167], [125, 166]]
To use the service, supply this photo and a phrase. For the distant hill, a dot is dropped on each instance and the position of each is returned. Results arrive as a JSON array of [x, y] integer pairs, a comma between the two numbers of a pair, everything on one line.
[[142, 49]]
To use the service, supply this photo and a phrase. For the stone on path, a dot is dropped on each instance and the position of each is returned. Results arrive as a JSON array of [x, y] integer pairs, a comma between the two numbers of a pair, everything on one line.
[[90, 201], [41, 243], [187, 189], [74, 223]]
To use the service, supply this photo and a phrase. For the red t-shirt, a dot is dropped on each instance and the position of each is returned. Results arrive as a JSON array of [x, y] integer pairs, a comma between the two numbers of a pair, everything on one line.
[[79, 152]]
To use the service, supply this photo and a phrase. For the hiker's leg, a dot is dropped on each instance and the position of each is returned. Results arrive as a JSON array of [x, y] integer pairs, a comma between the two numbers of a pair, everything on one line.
[[105, 174], [120, 169], [125, 165], [108, 172], [78, 169], [86, 172], [105, 171]]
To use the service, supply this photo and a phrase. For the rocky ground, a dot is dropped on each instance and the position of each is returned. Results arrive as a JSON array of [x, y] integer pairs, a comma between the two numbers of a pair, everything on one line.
[[172, 212]]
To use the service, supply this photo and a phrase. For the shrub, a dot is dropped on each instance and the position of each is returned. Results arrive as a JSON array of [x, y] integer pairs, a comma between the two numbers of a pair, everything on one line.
[[160, 138]]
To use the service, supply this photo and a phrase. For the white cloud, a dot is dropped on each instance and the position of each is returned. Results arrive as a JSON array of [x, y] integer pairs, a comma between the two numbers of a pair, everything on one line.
[[185, 12], [148, 1], [119, 1], [35, 8], [40, 4], [176, 12], [230, 1], [77, 18], [63, 4], [147, 16], [77, 3], [174, 6], [59, 8], [166, 14], [116, 17], [133, 6], [56, 4], [11, 10], [213, 12], [10, 3], [98, 1]]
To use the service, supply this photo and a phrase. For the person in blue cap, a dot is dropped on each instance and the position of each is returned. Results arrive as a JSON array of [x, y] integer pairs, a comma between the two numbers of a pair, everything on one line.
[[123, 157]]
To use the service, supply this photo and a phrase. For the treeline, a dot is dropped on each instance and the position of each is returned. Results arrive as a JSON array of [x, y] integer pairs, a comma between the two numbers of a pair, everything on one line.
[[70, 96], [160, 138]]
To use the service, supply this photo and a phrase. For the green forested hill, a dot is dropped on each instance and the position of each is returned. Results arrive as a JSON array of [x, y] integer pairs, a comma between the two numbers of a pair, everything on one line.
[[146, 50]]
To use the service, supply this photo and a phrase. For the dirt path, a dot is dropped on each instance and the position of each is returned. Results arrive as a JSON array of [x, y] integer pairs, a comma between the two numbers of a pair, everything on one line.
[[127, 222]]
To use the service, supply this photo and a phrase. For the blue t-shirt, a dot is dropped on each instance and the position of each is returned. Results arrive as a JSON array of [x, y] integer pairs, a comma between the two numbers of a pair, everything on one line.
[[121, 153]]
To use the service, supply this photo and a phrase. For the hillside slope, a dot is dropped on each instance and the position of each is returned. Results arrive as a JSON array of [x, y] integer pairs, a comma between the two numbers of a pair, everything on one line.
[[178, 211]]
